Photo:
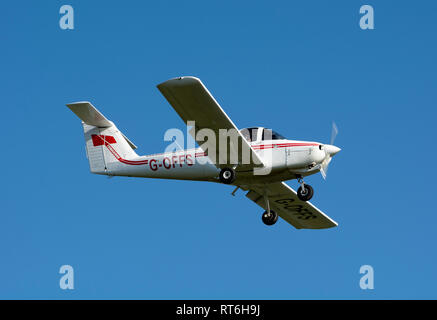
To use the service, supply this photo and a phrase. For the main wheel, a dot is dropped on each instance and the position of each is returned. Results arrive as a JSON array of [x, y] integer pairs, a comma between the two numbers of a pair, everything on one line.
[[306, 193], [270, 219], [227, 175]]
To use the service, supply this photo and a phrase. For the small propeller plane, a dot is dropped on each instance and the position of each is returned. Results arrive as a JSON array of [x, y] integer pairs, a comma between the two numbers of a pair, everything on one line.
[[111, 153]]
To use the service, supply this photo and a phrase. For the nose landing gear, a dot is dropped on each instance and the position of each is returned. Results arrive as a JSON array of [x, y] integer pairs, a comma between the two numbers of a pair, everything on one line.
[[305, 191]]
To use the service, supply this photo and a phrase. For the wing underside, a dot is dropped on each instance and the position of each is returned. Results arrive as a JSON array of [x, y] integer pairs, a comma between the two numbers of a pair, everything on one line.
[[284, 201]]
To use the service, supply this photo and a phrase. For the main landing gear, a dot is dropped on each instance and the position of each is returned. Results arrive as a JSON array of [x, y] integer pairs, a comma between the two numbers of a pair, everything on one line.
[[227, 175], [269, 217], [305, 191]]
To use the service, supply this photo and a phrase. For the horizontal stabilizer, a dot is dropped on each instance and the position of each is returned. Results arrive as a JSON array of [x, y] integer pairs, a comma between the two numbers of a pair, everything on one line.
[[92, 117], [89, 114]]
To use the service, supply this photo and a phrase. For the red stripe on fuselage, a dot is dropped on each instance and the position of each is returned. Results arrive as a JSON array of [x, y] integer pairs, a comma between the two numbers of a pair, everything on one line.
[[283, 145], [104, 141]]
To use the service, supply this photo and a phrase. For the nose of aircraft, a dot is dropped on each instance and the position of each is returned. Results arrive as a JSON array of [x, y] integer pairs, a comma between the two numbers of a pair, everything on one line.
[[332, 150]]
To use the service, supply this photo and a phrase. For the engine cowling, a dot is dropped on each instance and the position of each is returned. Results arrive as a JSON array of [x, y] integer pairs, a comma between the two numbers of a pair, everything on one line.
[[305, 157]]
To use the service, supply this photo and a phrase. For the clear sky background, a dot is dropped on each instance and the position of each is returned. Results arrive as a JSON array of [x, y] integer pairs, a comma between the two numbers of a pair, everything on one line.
[[295, 66]]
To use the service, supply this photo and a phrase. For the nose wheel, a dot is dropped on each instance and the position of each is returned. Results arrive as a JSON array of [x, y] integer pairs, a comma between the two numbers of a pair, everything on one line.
[[305, 191]]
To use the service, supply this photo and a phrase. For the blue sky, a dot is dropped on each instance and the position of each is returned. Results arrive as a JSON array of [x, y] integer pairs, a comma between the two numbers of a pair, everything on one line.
[[294, 66]]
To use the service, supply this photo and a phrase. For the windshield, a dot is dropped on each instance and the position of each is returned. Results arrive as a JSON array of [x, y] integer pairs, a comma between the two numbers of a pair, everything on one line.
[[269, 134]]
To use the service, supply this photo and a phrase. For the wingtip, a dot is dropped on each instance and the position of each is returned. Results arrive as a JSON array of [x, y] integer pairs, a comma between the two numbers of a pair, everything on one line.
[[78, 103], [179, 80]]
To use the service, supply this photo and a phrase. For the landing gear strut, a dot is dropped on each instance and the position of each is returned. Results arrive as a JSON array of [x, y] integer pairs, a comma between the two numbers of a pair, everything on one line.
[[227, 175], [269, 217], [305, 191]]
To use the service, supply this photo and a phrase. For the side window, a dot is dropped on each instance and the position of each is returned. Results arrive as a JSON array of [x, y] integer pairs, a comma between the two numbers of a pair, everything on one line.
[[267, 134], [254, 133], [245, 134], [277, 136], [250, 134]]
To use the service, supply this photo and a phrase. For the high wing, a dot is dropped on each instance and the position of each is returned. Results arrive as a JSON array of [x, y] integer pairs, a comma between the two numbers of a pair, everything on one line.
[[193, 102], [284, 201]]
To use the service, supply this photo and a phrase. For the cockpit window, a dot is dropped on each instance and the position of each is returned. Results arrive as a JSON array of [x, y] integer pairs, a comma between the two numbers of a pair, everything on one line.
[[269, 134], [250, 134]]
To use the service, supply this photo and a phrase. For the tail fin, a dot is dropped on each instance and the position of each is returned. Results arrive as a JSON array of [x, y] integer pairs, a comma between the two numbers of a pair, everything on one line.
[[105, 144]]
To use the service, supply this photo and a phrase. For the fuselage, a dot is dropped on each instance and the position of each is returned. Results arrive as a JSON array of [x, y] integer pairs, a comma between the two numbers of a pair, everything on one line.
[[282, 160], [285, 159]]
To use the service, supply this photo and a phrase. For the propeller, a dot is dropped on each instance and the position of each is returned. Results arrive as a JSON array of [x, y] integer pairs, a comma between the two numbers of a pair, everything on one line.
[[334, 133], [330, 151]]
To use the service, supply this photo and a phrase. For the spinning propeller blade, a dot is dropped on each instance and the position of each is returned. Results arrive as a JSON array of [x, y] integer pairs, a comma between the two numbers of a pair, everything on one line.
[[334, 132], [323, 172], [330, 150]]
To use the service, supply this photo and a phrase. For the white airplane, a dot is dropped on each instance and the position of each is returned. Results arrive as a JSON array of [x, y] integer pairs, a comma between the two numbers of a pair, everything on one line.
[[111, 153]]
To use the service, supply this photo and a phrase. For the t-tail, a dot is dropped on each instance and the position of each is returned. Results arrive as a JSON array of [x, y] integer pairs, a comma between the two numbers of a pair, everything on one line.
[[106, 146]]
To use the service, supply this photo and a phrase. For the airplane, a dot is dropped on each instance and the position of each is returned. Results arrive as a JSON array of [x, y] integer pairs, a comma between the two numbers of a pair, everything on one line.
[[111, 153]]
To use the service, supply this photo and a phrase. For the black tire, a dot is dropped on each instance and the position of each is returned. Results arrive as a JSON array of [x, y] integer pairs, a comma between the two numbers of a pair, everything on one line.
[[269, 219], [227, 175], [306, 194]]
